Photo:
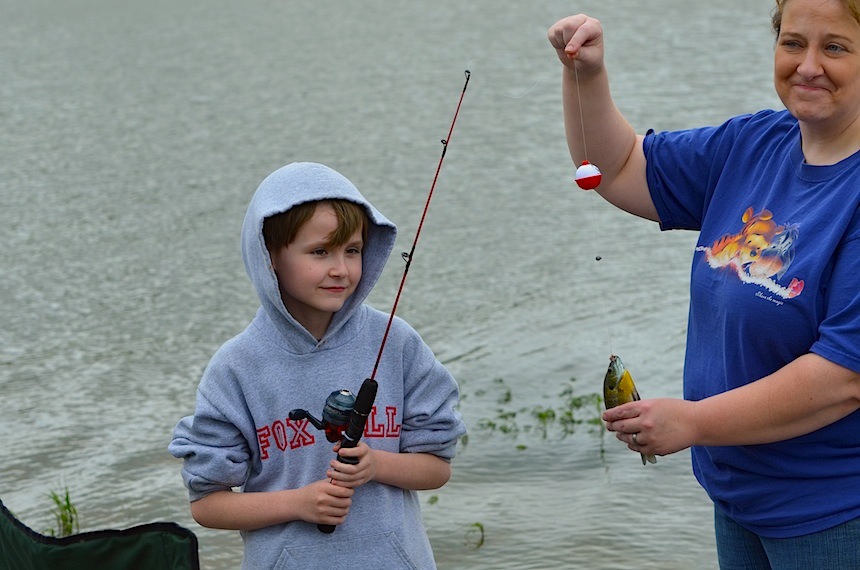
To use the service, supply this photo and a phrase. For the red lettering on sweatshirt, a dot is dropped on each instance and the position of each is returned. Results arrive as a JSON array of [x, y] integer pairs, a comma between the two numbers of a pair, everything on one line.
[[263, 434], [280, 433], [392, 427], [302, 437], [371, 428]]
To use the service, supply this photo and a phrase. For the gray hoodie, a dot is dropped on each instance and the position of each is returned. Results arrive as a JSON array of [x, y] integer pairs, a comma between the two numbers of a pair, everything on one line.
[[241, 435]]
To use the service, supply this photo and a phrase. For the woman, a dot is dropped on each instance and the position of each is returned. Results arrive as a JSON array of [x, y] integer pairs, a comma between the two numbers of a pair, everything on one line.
[[772, 368]]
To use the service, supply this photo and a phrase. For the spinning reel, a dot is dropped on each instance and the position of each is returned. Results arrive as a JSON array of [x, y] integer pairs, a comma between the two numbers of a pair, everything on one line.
[[335, 415]]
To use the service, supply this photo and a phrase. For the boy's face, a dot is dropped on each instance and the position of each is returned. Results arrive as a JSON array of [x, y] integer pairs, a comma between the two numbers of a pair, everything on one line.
[[315, 279]]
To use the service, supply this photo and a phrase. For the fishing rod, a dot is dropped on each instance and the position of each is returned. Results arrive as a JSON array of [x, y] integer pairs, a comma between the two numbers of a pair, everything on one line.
[[337, 417], [407, 257]]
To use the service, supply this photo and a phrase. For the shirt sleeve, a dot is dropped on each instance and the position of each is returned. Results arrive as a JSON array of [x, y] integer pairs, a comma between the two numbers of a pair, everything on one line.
[[839, 332], [431, 422], [215, 453], [684, 167]]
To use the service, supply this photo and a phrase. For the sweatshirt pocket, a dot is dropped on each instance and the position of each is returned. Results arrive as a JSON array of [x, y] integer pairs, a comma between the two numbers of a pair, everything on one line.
[[380, 550]]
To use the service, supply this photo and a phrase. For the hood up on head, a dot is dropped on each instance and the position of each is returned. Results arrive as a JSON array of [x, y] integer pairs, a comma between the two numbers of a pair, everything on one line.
[[289, 186]]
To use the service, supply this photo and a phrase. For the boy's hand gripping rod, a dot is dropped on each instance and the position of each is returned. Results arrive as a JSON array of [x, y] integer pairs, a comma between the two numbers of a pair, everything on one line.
[[367, 392]]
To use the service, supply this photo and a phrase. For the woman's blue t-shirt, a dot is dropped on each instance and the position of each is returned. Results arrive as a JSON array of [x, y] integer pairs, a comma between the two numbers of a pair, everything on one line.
[[775, 275]]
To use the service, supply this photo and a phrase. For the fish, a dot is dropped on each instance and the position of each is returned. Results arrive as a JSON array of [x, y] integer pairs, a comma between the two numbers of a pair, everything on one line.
[[618, 388]]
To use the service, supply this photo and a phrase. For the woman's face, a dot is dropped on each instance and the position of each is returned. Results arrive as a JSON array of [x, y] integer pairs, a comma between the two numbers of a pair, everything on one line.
[[817, 64]]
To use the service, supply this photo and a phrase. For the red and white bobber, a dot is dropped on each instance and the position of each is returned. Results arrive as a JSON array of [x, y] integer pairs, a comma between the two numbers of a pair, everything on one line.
[[587, 176]]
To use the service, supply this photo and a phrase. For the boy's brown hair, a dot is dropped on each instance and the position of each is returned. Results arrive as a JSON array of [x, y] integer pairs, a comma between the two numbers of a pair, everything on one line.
[[280, 230]]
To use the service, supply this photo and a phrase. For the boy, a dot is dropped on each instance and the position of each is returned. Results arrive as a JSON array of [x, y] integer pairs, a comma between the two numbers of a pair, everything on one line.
[[313, 248]]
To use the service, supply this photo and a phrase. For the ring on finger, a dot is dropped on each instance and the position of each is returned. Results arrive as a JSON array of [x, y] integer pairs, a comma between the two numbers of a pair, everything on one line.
[[634, 439]]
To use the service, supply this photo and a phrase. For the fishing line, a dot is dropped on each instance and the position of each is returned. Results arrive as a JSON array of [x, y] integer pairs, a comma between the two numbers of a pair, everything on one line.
[[581, 116], [587, 175], [603, 302], [502, 90], [407, 257], [585, 180]]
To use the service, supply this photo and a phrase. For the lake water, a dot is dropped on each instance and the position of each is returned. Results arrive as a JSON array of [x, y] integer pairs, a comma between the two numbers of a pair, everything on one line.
[[133, 135]]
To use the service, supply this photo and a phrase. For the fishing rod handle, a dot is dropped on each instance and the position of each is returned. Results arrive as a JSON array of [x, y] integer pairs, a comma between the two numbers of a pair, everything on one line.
[[329, 528], [357, 420]]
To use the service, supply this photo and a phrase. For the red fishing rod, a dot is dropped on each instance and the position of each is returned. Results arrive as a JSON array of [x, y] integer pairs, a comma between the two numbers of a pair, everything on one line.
[[407, 257], [367, 393]]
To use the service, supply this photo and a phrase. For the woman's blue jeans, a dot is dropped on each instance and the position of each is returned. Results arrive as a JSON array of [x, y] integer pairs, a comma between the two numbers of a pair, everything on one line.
[[836, 548]]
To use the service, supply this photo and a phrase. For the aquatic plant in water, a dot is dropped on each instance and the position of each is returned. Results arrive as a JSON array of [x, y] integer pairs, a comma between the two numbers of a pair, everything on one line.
[[561, 416], [475, 535], [66, 521]]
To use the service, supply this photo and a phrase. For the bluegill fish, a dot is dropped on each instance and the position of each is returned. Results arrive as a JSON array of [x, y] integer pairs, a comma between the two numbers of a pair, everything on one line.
[[618, 388]]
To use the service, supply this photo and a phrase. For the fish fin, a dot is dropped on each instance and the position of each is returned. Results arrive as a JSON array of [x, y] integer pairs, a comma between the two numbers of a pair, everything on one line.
[[648, 458], [627, 380]]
